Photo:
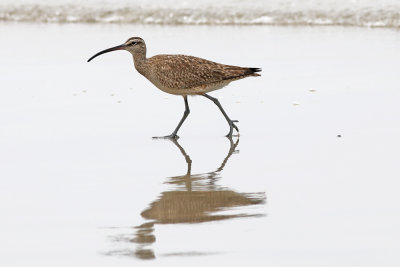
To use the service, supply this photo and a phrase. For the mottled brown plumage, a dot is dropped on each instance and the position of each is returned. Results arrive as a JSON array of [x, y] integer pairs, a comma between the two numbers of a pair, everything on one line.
[[183, 75], [188, 75]]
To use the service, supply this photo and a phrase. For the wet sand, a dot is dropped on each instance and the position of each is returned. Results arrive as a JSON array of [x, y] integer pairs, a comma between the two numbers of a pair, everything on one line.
[[311, 181]]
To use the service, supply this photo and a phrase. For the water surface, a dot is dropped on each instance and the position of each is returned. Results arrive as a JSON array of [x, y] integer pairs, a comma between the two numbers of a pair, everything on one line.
[[311, 181]]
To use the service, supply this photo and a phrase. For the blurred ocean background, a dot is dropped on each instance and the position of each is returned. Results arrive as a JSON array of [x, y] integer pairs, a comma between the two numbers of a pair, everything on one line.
[[364, 13]]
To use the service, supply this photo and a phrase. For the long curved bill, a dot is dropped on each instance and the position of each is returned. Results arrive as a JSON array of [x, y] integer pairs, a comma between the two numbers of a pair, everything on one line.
[[119, 47]]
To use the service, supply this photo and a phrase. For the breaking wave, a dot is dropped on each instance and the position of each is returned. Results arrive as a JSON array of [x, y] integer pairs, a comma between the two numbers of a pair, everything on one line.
[[387, 16]]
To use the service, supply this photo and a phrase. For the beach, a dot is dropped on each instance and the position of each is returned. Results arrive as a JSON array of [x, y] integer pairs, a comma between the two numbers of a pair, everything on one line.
[[314, 173]]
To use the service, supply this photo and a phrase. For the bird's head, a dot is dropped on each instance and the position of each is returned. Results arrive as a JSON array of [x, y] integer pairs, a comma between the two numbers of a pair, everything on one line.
[[134, 45]]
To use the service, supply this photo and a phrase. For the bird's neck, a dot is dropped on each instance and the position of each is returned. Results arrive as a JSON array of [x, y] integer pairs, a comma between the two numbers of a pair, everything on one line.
[[139, 60]]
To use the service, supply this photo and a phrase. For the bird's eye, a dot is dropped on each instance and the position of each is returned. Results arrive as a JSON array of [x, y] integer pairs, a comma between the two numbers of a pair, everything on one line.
[[133, 43]]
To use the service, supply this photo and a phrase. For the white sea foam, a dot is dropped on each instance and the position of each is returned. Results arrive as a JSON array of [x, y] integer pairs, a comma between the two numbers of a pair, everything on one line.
[[365, 13]]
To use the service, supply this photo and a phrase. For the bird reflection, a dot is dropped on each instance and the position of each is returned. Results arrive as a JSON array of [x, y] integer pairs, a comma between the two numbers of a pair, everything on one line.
[[193, 198]]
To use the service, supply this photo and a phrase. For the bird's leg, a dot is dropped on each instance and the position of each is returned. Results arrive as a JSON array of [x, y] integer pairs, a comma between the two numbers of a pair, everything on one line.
[[185, 114], [230, 122]]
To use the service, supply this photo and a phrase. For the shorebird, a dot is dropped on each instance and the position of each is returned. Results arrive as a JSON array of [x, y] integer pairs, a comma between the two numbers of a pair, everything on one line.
[[183, 75]]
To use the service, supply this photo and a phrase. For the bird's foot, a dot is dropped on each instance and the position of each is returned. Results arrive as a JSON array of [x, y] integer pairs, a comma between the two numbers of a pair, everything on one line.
[[171, 136], [232, 126]]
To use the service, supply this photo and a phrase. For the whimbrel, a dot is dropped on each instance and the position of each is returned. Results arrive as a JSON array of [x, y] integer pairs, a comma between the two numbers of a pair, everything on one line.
[[183, 75]]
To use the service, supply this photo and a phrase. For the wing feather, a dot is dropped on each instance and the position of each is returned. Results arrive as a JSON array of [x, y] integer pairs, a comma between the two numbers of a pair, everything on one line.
[[182, 72]]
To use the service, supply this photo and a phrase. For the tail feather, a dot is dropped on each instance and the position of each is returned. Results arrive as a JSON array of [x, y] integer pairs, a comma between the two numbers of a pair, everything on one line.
[[236, 73], [255, 69], [252, 71]]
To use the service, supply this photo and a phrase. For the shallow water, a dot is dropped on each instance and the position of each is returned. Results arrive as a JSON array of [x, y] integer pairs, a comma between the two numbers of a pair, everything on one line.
[[311, 181]]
